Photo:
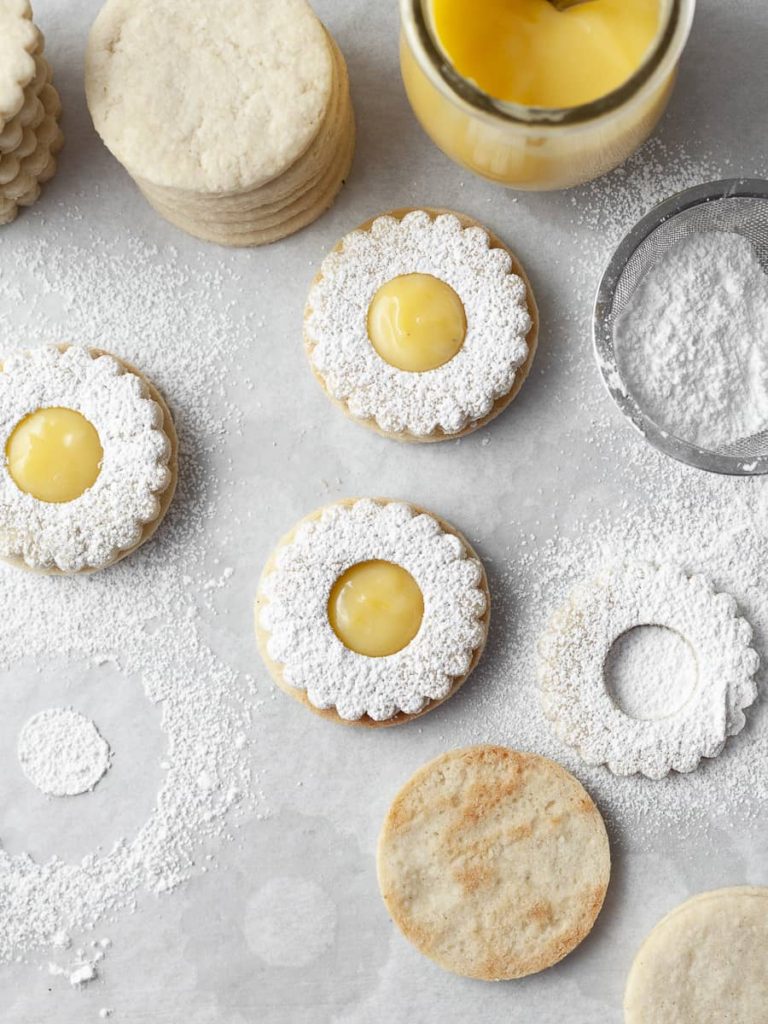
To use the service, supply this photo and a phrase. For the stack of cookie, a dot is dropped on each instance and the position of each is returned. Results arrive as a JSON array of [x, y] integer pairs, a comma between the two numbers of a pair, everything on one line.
[[234, 119], [29, 111]]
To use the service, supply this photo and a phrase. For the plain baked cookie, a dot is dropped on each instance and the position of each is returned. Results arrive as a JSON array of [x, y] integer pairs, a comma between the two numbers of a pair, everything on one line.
[[233, 117], [372, 612], [90, 459], [704, 963], [421, 324], [30, 109], [19, 40], [493, 863]]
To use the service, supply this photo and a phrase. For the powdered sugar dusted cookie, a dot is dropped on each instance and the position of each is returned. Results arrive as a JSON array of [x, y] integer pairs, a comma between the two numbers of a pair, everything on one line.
[[372, 612], [90, 459], [704, 962], [493, 863], [573, 654], [421, 324]]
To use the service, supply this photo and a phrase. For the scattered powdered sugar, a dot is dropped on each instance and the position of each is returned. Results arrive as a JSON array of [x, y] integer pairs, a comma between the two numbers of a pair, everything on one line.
[[295, 612], [574, 648], [62, 752], [713, 526], [626, 501], [459, 392], [692, 341], [144, 619], [143, 615], [79, 973]]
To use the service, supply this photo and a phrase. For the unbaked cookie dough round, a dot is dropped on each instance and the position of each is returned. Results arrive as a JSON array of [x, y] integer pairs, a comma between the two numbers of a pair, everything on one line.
[[234, 119], [372, 612], [704, 963], [421, 325], [579, 638], [493, 863], [90, 459]]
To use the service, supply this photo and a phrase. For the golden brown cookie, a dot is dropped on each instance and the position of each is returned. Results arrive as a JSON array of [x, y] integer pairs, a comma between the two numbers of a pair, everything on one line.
[[493, 863]]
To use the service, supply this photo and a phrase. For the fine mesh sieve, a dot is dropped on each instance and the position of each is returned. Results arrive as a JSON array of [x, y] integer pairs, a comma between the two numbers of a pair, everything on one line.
[[740, 206]]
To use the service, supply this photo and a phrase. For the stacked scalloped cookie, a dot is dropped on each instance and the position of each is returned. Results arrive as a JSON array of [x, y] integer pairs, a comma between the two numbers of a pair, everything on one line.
[[234, 120], [30, 136]]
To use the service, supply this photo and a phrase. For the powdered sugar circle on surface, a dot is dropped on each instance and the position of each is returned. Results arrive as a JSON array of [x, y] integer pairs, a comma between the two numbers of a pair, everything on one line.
[[296, 610], [109, 516], [691, 341], [459, 392], [573, 652], [62, 752]]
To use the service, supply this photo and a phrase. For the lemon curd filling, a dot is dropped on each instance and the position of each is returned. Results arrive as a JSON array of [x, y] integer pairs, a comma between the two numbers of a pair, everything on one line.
[[528, 52], [54, 454], [416, 322], [375, 608]]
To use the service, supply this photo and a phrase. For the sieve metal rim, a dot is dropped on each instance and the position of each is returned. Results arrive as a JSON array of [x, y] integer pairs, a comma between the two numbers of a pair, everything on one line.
[[602, 326]]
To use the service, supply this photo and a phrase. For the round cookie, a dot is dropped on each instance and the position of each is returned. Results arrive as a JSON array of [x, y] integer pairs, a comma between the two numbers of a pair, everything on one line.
[[263, 229], [209, 96], [164, 496], [493, 863], [704, 962], [302, 176], [235, 121], [514, 367], [468, 660]]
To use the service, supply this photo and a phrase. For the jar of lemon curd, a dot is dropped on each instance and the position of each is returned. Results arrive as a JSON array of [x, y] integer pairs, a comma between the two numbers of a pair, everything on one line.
[[535, 98]]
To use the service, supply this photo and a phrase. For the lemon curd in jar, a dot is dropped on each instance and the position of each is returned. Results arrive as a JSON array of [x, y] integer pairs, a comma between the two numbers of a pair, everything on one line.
[[537, 98]]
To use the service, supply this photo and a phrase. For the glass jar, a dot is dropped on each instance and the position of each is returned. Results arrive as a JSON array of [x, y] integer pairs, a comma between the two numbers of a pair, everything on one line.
[[536, 148]]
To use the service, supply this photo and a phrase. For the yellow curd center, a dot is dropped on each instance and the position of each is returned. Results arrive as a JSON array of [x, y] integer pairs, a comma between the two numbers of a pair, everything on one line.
[[54, 455], [528, 52], [376, 608], [416, 322]]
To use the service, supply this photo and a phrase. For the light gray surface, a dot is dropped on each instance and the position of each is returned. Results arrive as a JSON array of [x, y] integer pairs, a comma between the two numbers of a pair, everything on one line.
[[203, 954]]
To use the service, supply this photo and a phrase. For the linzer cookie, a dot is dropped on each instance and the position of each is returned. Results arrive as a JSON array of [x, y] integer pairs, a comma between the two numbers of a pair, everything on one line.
[[421, 325], [237, 144], [372, 612], [90, 461]]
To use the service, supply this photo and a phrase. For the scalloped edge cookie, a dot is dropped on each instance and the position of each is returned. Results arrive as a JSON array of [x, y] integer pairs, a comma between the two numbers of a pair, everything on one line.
[[165, 497], [521, 374], [276, 669]]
